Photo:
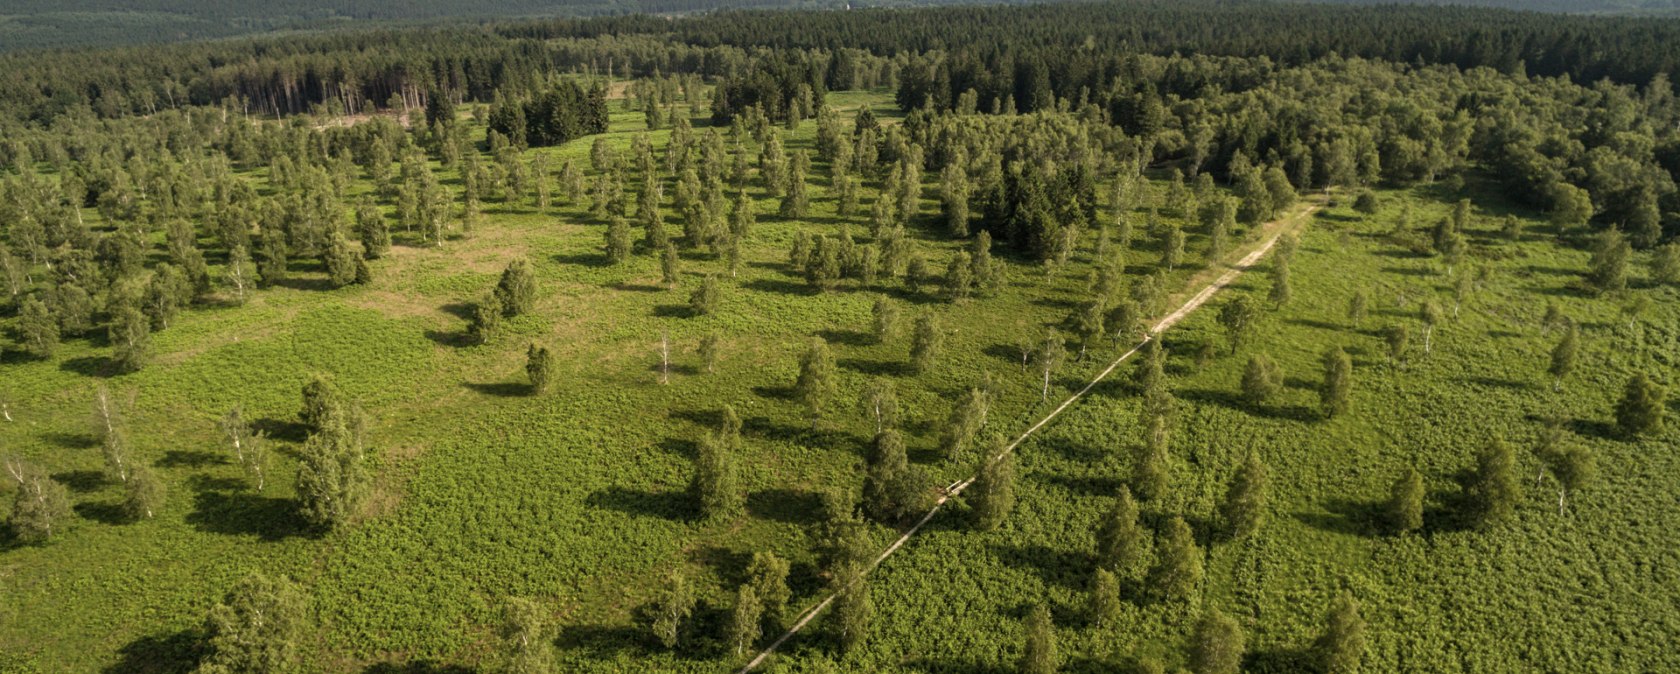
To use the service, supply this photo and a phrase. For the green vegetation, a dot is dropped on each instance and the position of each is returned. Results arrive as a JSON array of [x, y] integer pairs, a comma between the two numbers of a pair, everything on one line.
[[609, 374]]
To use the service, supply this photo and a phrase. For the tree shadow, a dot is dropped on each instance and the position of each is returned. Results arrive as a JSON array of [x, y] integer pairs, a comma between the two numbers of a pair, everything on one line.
[[189, 459], [789, 506], [104, 513], [81, 481], [637, 287], [1281, 659], [281, 429], [1315, 323], [457, 340], [592, 259], [877, 368], [71, 440], [90, 366], [1086, 485], [730, 566], [218, 511], [780, 286], [1072, 451], [675, 506], [774, 392], [674, 311], [1347, 516], [1066, 568], [1232, 400], [160, 653], [506, 389], [603, 642], [416, 667], [1593, 428], [461, 310], [305, 283]]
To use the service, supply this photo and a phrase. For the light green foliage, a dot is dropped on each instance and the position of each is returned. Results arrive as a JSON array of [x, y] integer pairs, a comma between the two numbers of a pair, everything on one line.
[[993, 491], [1039, 656], [255, 628]]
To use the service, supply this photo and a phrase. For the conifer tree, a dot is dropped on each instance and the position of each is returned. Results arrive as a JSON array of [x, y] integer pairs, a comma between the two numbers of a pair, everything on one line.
[[539, 367], [486, 318]]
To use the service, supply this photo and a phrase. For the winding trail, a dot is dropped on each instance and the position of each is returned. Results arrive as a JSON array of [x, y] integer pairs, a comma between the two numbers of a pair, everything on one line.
[[1273, 230]]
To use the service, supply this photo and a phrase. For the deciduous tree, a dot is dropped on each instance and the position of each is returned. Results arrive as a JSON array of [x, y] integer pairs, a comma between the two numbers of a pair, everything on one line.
[[1641, 409], [1217, 646], [255, 628], [1341, 648], [1404, 509], [1039, 656]]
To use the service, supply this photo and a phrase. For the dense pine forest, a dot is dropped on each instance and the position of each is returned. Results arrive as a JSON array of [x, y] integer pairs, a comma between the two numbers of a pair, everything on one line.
[[1083, 337]]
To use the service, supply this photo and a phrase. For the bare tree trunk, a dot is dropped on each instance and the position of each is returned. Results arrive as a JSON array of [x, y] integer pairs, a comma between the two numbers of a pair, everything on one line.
[[664, 358]]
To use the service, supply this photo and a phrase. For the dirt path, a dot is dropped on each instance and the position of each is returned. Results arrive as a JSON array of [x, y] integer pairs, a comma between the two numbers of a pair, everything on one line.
[[1271, 232]]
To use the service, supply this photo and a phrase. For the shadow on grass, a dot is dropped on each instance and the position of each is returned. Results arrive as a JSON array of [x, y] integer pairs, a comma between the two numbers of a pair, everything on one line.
[[505, 389], [90, 366], [789, 506], [636, 287], [81, 481], [104, 513], [1347, 516], [461, 310], [451, 339], [281, 429], [1496, 382], [779, 286], [182, 458], [1067, 568], [1086, 485], [219, 511], [416, 667], [1231, 400], [160, 654], [603, 642], [71, 440], [591, 259], [729, 566], [674, 506]]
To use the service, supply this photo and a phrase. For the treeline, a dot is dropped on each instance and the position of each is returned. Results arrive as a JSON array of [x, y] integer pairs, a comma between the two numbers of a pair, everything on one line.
[[1033, 53]]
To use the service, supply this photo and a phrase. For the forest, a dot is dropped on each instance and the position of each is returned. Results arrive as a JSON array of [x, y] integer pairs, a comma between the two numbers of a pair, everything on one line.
[[1086, 337]]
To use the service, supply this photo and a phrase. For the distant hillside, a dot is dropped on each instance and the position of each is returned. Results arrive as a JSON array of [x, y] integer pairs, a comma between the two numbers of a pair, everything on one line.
[[1629, 7]]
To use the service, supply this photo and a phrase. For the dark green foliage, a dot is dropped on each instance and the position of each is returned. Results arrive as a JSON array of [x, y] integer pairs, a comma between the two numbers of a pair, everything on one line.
[[618, 240], [891, 490], [1642, 407], [1493, 491], [926, 341], [1338, 382], [130, 335], [1120, 539], [716, 486], [486, 318], [1261, 379], [517, 289], [1217, 645], [1608, 269], [1244, 507], [993, 491], [705, 299], [1404, 510], [854, 610], [565, 112], [1238, 316], [1563, 356], [1665, 264], [1102, 598], [37, 330], [1341, 648], [144, 492], [817, 382], [1039, 656], [745, 619], [540, 367], [40, 505], [332, 479], [1178, 562], [670, 612], [768, 574], [256, 627], [670, 266], [321, 401]]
